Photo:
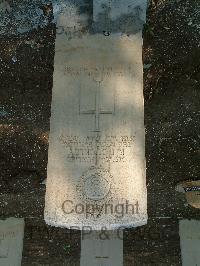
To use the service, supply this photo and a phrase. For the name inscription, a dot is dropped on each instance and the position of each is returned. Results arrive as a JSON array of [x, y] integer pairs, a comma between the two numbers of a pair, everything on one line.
[[91, 148], [96, 71]]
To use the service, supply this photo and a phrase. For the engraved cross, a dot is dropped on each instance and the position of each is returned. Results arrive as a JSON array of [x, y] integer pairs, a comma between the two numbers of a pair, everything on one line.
[[97, 111]]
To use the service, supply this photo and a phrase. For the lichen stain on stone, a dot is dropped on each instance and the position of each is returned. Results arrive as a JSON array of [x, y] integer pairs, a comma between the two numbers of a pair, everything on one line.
[[130, 23]]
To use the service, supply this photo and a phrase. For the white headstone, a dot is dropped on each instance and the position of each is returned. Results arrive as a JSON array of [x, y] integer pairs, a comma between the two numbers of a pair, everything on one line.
[[189, 231], [102, 248], [11, 241], [96, 160]]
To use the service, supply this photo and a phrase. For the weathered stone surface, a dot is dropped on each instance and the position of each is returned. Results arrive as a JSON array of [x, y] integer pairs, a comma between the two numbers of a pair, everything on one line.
[[119, 15], [11, 241], [190, 242], [102, 248], [96, 165]]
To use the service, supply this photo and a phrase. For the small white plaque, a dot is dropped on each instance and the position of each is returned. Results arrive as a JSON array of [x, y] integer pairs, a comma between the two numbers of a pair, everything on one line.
[[11, 241], [102, 248], [189, 231]]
